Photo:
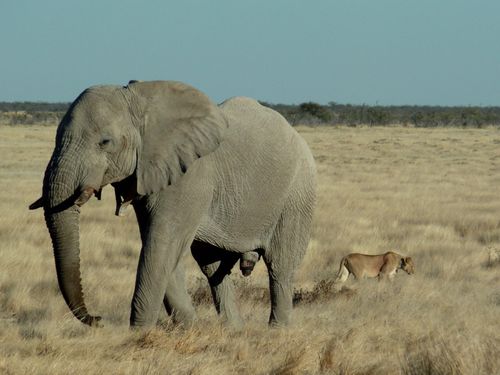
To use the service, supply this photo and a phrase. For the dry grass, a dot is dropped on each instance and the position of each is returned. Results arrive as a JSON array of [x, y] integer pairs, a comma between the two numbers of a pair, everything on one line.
[[431, 194]]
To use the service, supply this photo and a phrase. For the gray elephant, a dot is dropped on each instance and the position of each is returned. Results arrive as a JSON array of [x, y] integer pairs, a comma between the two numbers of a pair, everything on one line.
[[222, 180]]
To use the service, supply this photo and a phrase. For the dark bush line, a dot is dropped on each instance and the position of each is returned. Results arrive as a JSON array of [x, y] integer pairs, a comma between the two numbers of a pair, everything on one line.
[[308, 113], [29, 113], [311, 113], [33, 107]]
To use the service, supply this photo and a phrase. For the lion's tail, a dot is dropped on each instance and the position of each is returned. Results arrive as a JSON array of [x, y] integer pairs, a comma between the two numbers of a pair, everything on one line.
[[343, 273]]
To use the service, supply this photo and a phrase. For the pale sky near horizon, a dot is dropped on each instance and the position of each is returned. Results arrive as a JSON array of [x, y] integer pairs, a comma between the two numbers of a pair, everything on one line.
[[390, 52]]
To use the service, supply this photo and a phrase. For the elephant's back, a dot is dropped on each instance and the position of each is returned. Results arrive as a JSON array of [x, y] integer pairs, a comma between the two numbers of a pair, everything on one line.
[[247, 113], [258, 134], [249, 120]]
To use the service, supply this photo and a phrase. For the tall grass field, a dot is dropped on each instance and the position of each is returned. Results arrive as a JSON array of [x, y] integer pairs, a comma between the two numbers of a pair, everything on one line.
[[432, 194]]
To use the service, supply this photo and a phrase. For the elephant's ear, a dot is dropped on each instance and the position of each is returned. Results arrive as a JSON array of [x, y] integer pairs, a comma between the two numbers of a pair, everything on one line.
[[180, 124]]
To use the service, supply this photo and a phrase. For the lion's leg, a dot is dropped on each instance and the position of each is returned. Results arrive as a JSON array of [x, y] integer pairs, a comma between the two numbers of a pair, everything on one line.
[[386, 272], [342, 275]]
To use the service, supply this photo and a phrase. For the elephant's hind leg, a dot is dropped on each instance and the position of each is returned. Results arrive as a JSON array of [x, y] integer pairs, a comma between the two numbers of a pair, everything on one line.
[[177, 301], [216, 264], [282, 258]]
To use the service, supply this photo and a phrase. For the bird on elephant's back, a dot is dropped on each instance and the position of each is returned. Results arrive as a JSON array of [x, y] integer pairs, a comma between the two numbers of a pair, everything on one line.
[[229, 182]]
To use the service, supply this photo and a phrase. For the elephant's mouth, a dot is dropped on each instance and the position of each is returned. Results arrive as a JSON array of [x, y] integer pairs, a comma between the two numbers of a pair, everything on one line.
[[79, 198]]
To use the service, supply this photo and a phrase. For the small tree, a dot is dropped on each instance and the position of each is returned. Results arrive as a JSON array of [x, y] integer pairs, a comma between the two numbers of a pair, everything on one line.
[[316, 110]]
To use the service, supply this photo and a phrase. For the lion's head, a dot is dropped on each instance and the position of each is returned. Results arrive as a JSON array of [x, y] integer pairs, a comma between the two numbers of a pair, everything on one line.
[[407, 265]]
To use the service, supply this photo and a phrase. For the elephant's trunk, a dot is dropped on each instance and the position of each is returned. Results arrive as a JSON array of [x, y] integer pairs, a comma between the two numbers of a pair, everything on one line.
[[62, 218], [64, 231]]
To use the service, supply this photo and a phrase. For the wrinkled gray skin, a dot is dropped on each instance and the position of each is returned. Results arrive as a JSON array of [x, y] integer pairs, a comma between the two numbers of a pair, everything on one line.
[[219, 180]]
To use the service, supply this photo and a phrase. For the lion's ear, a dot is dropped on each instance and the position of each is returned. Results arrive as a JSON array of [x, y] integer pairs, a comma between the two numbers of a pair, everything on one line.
[[407, 260], [179, 125]]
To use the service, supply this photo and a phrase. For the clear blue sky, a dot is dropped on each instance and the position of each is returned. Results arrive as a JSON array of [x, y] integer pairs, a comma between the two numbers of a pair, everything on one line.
[[442, 52]]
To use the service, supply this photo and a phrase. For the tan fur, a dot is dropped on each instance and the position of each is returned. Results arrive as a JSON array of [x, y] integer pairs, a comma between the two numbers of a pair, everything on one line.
[[381, 266]]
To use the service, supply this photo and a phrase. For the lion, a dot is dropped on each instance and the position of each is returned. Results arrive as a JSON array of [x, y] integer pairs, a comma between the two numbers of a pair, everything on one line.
[[381, 266]]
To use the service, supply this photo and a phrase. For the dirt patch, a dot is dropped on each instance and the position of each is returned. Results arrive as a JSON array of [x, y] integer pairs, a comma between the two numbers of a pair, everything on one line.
[[323, 291]]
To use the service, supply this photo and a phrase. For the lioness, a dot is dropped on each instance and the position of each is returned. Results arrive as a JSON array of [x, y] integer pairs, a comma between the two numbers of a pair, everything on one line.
[[381, 266]]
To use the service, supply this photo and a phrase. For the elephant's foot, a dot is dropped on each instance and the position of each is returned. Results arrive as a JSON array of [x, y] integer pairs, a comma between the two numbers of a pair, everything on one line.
[[230, 315], [184, 318], [93, 321], [234, 322], [248, 261], [280, 317]]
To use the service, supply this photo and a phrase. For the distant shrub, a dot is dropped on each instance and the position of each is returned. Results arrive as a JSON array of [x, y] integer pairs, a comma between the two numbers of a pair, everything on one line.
[[316, 110]]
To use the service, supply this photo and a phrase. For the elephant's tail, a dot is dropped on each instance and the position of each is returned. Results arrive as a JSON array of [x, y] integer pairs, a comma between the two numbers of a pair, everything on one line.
[[343, 273]]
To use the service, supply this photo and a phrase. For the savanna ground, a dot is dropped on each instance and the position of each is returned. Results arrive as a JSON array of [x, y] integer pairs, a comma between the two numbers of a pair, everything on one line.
[[430, 193]]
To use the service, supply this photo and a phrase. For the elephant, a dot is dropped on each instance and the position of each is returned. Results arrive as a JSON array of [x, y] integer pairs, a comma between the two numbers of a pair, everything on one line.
[[229, 182]]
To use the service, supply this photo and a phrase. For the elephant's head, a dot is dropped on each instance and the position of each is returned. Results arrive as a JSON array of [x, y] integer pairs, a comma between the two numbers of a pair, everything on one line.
[[147, 134]]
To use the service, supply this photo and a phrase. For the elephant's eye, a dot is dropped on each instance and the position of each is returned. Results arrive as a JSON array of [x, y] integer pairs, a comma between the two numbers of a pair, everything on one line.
[[104, 142]]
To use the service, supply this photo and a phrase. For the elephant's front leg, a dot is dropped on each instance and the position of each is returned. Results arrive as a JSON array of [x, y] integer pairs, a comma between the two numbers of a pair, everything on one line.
[[153, 271], [159, 275], [216, 264]]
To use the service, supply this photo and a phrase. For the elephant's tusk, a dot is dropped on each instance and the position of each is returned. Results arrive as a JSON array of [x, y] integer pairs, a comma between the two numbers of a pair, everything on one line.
[[121, 203], [125, 193], [122, 208], [36, 204], [85, 195]]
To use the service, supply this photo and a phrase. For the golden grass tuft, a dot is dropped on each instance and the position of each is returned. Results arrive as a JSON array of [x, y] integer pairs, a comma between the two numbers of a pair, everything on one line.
[[428, 193]]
